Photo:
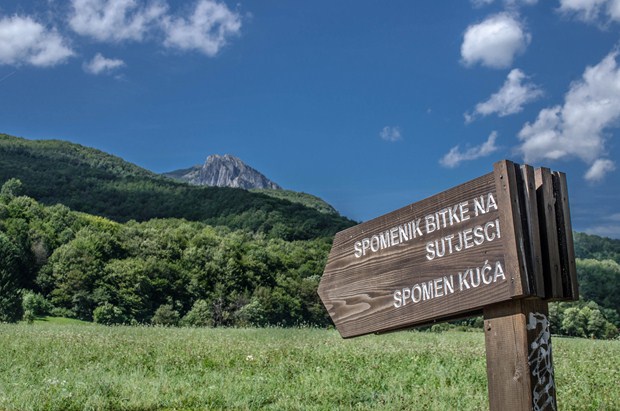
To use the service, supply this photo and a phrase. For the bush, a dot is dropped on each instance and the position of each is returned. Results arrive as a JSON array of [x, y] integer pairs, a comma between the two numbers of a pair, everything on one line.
[[36, 304], [586, 320], [166, 315], [29, 316], [441, 327], [200, 315], [252, 314], [108, 314]]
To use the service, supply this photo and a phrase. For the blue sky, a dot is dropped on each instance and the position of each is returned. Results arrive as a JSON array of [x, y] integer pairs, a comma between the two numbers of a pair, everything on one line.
[[369, 105]]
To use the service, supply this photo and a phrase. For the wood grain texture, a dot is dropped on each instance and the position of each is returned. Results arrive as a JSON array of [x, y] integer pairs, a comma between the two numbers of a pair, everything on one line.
[[556, 233], [549, 234], [360, 292], [515, 379], [568, 267], [514, 246], [531, 224]]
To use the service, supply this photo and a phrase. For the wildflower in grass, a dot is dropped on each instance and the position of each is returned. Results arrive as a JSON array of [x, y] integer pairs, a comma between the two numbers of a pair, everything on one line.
[[55, 381]]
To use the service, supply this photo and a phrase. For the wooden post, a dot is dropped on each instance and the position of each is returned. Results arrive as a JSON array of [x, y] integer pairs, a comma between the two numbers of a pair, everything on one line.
[[519, 362]]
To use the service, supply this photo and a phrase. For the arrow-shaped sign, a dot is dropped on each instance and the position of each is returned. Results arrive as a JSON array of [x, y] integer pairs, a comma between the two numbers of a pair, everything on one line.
[[446, 256]]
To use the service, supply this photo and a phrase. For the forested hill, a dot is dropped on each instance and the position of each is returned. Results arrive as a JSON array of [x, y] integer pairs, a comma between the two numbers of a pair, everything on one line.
[[89, 180], [599, 248]]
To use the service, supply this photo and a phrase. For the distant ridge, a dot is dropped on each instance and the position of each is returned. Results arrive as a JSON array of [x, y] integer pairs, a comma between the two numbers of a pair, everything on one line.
[[92, 181], [224, 171]]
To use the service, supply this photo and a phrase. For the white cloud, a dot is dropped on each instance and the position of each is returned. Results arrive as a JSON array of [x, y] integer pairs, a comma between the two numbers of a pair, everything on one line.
[[608, 226], [25, 41], [577, 128], [101, 65], [592, 10], [510, 99], [455, 157], [607, 230], [613, 10], [481, 3], [115, 20], [494, 42], [391, 134], [599, 169], [206, 30]]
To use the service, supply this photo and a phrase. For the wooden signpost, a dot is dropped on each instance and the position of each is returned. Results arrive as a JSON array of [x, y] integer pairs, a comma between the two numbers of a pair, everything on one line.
[[500, 245]]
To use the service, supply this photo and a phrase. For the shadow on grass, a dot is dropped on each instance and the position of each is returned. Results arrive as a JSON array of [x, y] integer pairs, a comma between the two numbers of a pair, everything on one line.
[[60, 320]]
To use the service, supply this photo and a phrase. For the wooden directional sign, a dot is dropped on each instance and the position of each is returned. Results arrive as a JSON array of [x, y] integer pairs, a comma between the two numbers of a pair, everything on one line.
[[501, 244], [446, 256]]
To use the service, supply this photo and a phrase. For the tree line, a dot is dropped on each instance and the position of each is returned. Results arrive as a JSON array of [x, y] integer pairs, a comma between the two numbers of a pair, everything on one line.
[[55, 261], [167, 271]]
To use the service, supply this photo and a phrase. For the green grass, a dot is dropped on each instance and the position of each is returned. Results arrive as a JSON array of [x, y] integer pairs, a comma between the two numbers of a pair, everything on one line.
[[51, 366]]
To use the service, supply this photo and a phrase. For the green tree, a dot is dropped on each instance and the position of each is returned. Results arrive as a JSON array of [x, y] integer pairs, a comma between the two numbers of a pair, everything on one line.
[[166, 315], [574, 322], [129, 283], [251, 314], [78, 267], [594, 247], [599, 281], [109, 314], [279, 307], [10, 292], [220, 305], [11, 188], [596, 324], [36, 303], [585, 320], [201, 315], [17, 229]]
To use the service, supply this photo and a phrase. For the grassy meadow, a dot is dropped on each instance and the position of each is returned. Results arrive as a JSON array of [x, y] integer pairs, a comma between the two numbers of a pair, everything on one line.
[[70, 366]]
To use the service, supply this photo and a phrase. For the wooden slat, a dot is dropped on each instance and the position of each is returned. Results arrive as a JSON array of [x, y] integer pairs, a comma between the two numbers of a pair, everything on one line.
[[519, 361], [548, 234], [512, 230], [529, 217], [568, 270]]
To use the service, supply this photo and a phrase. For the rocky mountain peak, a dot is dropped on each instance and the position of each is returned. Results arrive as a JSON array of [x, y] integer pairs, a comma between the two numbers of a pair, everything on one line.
[[224, 171]]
